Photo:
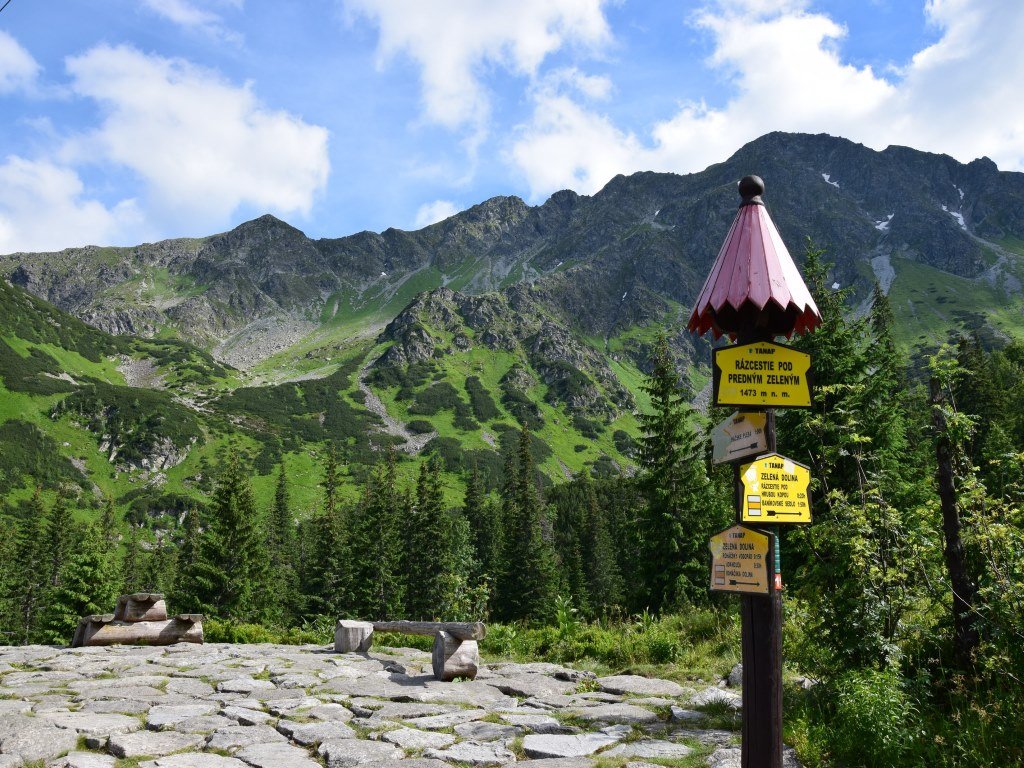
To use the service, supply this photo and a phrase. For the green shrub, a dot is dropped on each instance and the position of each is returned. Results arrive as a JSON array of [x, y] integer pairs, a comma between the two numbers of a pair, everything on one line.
[[873, 721], [420, 426], [440, 396]]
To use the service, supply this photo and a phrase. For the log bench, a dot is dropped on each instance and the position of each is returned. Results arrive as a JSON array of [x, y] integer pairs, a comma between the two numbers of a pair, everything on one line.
[[139, 619], [456, 652]]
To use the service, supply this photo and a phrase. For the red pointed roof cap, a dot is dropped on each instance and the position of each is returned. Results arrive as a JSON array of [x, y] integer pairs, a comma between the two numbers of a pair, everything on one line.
[[754, 288]]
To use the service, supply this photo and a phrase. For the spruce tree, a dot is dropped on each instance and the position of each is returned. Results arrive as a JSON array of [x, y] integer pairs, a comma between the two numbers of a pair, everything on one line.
[[59, 538], [679, 515], [87, 585], [326, 572], [484, 518], [31, 567], [604, 580], [185, 595], [132, 564], [229, 571], [281, 552], [377, 584], [530, 582]]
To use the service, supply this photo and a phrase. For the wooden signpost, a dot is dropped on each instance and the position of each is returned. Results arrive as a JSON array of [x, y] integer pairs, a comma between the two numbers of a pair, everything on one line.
[[740, 436], [754, 293]]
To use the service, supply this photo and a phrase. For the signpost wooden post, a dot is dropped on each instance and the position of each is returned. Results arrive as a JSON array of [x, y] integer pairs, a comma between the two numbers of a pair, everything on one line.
[[754, 294]]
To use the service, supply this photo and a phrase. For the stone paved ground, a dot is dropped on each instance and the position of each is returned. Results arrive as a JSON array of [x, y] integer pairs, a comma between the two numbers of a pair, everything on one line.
[[267, 706]]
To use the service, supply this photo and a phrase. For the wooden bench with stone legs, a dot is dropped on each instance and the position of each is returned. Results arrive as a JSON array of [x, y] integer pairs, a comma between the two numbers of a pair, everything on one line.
[[139, 619], [456, 653]]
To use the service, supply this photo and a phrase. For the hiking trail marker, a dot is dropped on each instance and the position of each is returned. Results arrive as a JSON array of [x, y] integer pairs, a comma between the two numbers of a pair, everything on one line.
[[762, 374], [739, 437], [741, 561], [775, 491]]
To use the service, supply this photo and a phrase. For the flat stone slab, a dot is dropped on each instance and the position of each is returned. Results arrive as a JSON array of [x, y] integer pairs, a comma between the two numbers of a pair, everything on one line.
[[641, 686], [581, 745], [236, 737], [649, 748], [411, 738], [153, 743], [42, 742], [538, 723], [164, 716], [244, 685], [246, 716], [315, 733], [616, 713], [472, 753], [277, 756], [84, 760], [346, 753], [447, 720], [91, 723], [486, 731], [194, 760]]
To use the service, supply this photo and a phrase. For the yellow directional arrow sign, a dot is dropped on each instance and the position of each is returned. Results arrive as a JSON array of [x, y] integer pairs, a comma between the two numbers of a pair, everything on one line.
[[775, 490], [764, 374], [741, 561]]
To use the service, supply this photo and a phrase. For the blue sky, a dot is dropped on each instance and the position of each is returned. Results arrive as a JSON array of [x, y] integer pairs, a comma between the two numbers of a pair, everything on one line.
[[127, 122]]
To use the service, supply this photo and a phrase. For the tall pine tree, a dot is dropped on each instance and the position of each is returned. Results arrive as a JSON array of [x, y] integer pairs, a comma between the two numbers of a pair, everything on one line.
[[675, 523]]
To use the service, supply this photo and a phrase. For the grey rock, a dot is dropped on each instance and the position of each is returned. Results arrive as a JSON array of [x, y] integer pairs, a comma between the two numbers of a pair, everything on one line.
[[446, 720], [411, 762], [735, 677], [116, 706], [649, 748], [472, 753], [194, 760], [727, 757], [238, 736], [155, 743], [330, 712], [202, 724], [644, 686], [189, 687], [93, 724], [616, 713], [562, 762], [277, 756], [345, 753], [243, 685], [246, 716], [486, 731], [163, 716], [39, 742], [581, 745], [84, 760], [686, 715], [530, 685], [539, 723], [712, 696], [296, 680], [10, 761], [411, 738], [315, 733], [14, 706]]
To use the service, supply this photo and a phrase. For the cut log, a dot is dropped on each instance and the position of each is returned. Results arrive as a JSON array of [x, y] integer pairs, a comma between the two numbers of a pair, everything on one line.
[[141, 606], [352, 636], [453, 658], [473, 630], [167, 632]]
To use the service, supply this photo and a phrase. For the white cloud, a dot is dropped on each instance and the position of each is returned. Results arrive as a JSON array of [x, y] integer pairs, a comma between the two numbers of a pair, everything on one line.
[[431, 213], [189, 15], [959, 96], [203, 146], [43, 207], [456, 41], [18, 70]]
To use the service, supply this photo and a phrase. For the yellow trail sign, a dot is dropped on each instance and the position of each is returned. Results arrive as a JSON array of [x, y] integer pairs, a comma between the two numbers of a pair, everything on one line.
[[741, 561], [775, 490], [763, 374]]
